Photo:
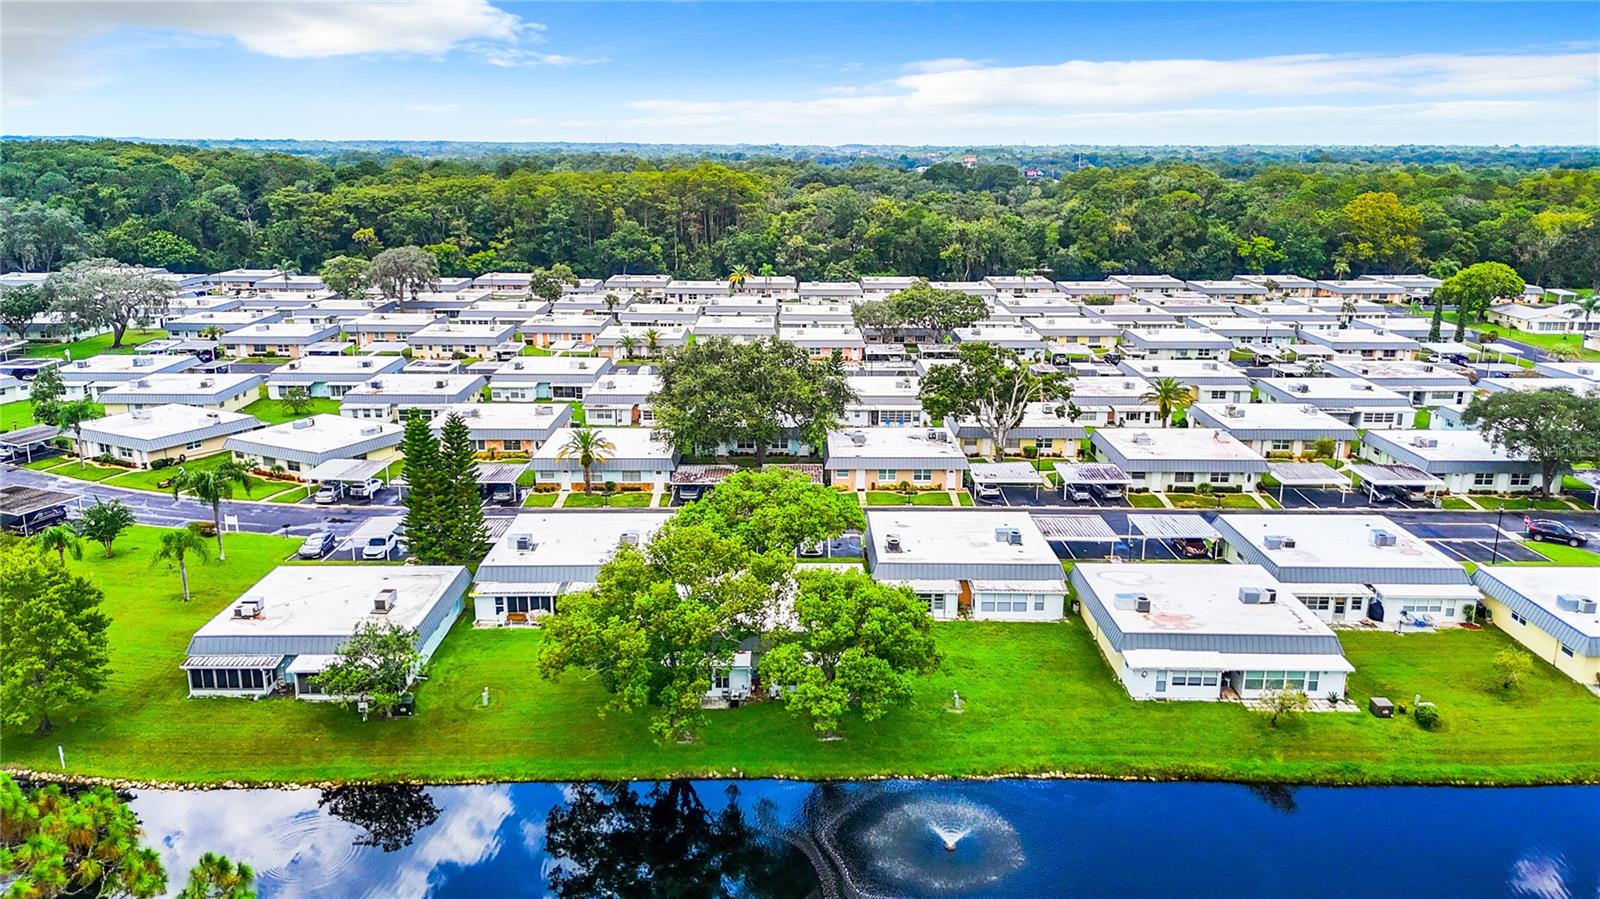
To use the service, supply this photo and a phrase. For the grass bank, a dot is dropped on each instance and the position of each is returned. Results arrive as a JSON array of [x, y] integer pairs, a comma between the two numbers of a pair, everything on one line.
[[1038, 700]]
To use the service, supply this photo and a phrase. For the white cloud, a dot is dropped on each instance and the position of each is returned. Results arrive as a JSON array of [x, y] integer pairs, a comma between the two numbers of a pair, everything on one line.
[[947, 64], [438, 108], [1322, 98], [51, 46], [515, 57]]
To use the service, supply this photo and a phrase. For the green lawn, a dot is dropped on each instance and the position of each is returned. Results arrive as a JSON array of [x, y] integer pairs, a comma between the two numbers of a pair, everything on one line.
[[93, 346], [1201, 501], [1521, 503], [597, 500], [16, 415], [1038, 699], [276, 412], [292, 495], [1455, 503], [932, 498], [148, 479], [963, 498], [89, 471], [886, 498], [1144, 501], [540, 500], [1543, 341], [1562, 554]]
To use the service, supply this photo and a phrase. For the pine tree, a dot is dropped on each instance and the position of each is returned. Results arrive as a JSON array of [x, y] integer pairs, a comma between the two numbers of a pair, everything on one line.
[[461, 508], [423, 510]]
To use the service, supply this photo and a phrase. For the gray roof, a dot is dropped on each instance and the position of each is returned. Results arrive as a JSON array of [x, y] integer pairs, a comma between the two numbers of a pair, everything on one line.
[[1172, 527]]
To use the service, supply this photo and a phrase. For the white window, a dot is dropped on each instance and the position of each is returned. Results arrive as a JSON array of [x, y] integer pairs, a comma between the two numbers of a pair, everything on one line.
[[719, 681], [1219, 394], [1483, 479], [1567, 651], [1521, 480], [1183, 477], [1282, 446], [1518, 618], [1220, 477], [922, 475], [194, 444], [886, 475]]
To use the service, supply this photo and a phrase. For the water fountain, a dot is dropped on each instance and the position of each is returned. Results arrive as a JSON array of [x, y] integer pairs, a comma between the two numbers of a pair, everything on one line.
[[949, 835]]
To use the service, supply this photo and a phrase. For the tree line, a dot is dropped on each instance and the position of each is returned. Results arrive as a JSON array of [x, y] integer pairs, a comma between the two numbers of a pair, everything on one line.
[[191, 209]]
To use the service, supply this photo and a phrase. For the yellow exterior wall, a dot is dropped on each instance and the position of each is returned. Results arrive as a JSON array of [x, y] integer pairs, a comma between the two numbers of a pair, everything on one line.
[[1583, 669]]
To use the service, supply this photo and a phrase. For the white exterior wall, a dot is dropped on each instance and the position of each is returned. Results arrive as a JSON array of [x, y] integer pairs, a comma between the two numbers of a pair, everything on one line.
[[1163, 481], [1149, 683], [1052, 610]]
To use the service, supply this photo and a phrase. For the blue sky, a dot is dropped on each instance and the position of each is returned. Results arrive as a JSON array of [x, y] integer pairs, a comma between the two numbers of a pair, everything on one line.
[[829, 73]]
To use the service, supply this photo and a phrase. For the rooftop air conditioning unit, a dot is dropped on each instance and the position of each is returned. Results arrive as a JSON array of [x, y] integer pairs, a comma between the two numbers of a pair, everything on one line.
[[371, 430], [301, 423], [1586, 605], [1143, 439], [936, 435], [249, 607], [364, 363], [141, 414], [383, 603], [1211, 366], [1381, 537], [214, 416], [1141, 603], [1012, 536], [438, 385], [628, 538], [859, 438], [375, 384], [1425, 442], [142, 361], [1301, 388], [522, 542], [891, 542], [1251, 596]]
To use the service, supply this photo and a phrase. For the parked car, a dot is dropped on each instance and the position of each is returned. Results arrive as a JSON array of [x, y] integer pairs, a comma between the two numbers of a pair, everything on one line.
[[316, 545], [326, 495], [1079, 493], [1105, 492], [1192, 548], [1548, 530], [367, 489], [812, 548], [688, 493], [379, 547], [503, 494], [988, 493]]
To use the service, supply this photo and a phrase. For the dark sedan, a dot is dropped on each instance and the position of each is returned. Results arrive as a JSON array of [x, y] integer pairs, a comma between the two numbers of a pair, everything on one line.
[[1546, 530]]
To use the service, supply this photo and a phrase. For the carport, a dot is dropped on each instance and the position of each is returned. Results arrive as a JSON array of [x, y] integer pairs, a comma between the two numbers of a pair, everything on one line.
[[1101, 474], [1404, 476], [27, 440], [382, 526], [26, 510], [1591, 477], [494, 477], [1166, 528], [1502, 350], [345, 472], [1006, 474], [1314, 475], [1077, 529]]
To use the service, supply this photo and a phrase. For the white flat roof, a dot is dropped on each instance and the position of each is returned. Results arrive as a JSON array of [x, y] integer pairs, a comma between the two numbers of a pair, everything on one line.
[[898, 443], [338, 365], [1271, 415], [627, 443], [330, 600], [1352, 389], [564, 539], [957, 538], [157, 422], [1451, 445], [1185, 368], [1541, 584], [1200, 599], [501, 415], [1199, 444], [326, 433], [105, 363], [1338, 541]]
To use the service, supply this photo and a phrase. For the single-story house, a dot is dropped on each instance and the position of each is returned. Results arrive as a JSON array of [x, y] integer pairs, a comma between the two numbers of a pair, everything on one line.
[[1359, 402], [1276, 430], [1075, 330], [289, 626], [544, 330], [387, 397], [1362, 289], [657, 314], [388, 327], [224, 391], [1150, 283], [1047, 427], [1551, 610], [450, 340], [1163, 459], [1566, 318], [622, 398], [1113, 400], [173, 431], [609, 341], [885, 400], [822, 341], [330, 376], [884, 457], [1212, 382], [531, 379], [636, 459], [1368, 343], [1424, 383], [303, 444], [1462, 458], [1284, 285], [198, 324], [81, 376], [277, 338], [1207, 633], [1234, 290], [1176, 343], [543, 556], [507, 427], [1010, 335], [983, 565]]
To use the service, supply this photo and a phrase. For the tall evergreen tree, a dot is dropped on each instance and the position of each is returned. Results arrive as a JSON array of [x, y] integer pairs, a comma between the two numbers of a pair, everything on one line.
[[461, 510], [422, 493]]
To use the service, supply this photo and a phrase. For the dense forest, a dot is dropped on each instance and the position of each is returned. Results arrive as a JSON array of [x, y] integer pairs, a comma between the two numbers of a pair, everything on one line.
[[202, 209]]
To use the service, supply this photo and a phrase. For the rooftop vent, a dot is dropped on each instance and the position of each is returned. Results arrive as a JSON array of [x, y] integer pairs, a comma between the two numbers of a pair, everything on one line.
[[1012, 536], [1143, 439], [522, 542], [1381, 537], [1254, 596], [383, 603], [628, 538], [1278, 541], [891, 542], [859, 438], [249, 607]]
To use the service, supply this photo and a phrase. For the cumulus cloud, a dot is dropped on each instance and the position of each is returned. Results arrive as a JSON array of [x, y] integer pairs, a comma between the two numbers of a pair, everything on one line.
[[1315, 98], [48, 46]]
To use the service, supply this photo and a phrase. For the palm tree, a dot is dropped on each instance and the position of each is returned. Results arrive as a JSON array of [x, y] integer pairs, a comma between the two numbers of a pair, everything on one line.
[[1169, 395], [611, 300], [213, 487], [1588, 305], [59, 539], [1312, 367], [588, 446], [738, 276], [652, 340], [72, 414], [176, 546], [629, 344], [218, 877]]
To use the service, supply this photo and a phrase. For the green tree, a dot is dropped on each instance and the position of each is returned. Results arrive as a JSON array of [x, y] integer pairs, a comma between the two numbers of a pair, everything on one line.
[[70, 415], [424, 495], [79, 845], [939, 311], [374, 666], [177, 545], [219, 877], [35, 237], [399, 272], [775, 510], [719, 392], [105, 521], [348, 276], [464, 532], [53, 648], [20, 307], [106, 293], [855, 644], [1436, 324], [46, 393], [548, 283], [629, 343], [1552, 428], [737, 277], [61, 539], [1512, 666], [993, 386], [1259, 254], [297, 400], [1284, 703], [1473, 289], [590, 448], [213, 487], [1168, 395], [1381, 232], [663, 619], [878, 318]]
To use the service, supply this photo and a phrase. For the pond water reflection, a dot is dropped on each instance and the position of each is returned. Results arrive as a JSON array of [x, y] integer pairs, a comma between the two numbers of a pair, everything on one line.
[[900, 838]]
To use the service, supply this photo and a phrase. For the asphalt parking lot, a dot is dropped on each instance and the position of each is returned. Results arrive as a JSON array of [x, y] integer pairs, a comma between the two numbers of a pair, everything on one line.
[[1048, 497]]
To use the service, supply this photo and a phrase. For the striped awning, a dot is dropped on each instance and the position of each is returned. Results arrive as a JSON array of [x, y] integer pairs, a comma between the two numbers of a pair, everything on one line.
[[1306, 474], [231, 662], [1086, 528]]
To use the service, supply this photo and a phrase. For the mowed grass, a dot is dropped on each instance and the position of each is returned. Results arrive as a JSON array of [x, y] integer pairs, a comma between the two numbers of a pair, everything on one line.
[[152, 478], [1038, 699], [94, 346], [16, 415], [276, 412], [1561, 554]]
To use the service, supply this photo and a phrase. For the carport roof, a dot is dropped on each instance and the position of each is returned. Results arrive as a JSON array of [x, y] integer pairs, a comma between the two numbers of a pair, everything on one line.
[[1011, 473], [30, 435], [1173, 527], [1504, 348], [1394, 475], [353, 470], [500, 472], [1091, 473], [1306, 474], [1085, 528]]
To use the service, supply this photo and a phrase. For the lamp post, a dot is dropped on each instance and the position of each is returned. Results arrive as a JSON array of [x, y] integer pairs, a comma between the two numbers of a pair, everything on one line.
[[1494, 555]]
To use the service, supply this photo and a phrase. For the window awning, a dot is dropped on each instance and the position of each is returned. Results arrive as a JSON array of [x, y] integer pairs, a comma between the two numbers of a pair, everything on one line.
[[1306, 474], [231, 662], [311, 664], [1084, 528], [1172, 527], [1009, 473], [1091, 473], [1394, 476]]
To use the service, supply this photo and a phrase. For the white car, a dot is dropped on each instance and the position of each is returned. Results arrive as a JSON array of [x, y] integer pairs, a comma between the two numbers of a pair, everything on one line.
[[988, 493], [367, 489], [326, 495], [378, 547]]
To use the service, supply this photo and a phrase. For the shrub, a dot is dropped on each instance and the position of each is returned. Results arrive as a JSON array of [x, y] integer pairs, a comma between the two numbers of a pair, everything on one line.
[[158, 464], [206, 528], [1427, 717], [1030, 452], [1323, 448]]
